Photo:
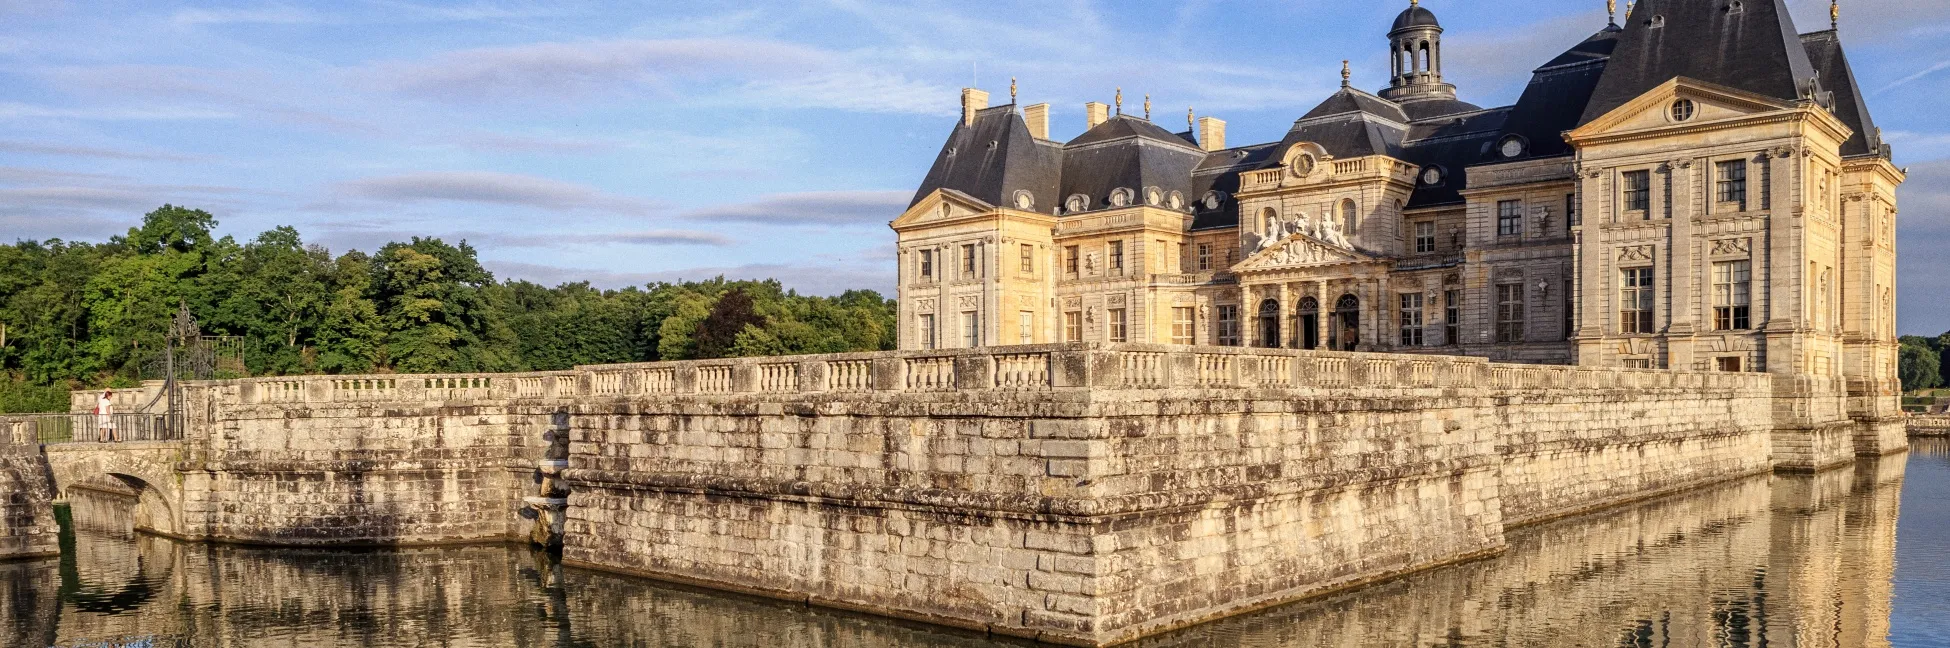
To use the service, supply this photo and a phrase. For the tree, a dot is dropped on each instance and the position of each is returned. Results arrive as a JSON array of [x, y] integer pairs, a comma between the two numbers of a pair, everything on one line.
[[729, 318], [1918, 367], [351, 335]]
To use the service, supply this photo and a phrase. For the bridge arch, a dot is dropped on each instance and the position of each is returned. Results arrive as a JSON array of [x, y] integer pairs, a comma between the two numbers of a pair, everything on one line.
[[144, 473]]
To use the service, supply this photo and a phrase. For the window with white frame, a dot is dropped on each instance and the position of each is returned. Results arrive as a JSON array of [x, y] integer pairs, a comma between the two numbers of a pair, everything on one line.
[[1073, 326], [1229, 325], [1637, 194], [1204, 256], [971, 329], [1635, 300], [1424, 237], [1183, 329], [1733, 295], [1509, 312], [1119, 325], [1452, 316], [1730, 184], [1026, 328], [967, 261], [1117, 257], [1411, 319], [927, 264], [924, 331], [1509, 218]]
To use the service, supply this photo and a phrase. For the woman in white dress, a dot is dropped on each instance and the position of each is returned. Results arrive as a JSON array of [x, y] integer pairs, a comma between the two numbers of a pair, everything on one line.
[[105, 415]]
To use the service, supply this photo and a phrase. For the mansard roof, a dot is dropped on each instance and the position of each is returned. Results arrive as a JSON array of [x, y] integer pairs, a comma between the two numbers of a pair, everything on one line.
[[1555, 100], [1825, 50], [1128, 153], [1755, 49], [993, 158], [1451, 143], [1219, 172], [1350, 100]]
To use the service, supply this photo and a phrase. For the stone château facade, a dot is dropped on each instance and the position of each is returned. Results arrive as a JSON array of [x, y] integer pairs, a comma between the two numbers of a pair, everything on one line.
[[1646, 203]]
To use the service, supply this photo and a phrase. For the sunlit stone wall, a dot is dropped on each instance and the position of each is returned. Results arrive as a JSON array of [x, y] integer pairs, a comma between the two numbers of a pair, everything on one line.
[[27, 526]]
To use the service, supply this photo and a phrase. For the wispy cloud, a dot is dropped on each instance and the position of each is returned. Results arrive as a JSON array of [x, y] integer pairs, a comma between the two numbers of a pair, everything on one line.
[[13, 110], [1939, 67], [645, 237], [813, 208], [265, 16], [36, 148], [480, 187]]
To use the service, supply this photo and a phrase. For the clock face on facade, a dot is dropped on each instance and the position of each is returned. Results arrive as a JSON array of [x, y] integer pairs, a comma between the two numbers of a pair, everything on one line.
[[1431, 176]]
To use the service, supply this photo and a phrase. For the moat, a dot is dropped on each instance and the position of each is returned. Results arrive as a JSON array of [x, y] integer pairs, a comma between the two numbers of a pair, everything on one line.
[[1853, 557]]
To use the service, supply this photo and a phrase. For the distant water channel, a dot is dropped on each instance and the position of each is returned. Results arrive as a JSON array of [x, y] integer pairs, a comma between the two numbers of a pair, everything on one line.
[[1857, 557]]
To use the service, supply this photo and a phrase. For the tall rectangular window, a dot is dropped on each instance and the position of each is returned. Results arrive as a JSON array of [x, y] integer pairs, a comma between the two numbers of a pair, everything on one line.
[[1509, 313], [1452, 316], [1730, 184], [1119, 325], [1026, 328], [1509, 217], [1229, 325], [1570, 308], [1411, 319], [967, 261], [1635, 298], [1183, 329], [1073, 326], [1425, 237], [971, 329], [1638, 193], [1733, 295], [1028, 259], [1204, 256], [1161, 264], [925, 330], [1571, 217], [927, 264], [1070, 259], [1117, 257]]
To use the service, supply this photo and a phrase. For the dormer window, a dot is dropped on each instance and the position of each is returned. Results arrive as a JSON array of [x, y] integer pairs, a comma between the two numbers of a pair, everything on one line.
[[1121, 197], [1077, 203], [1511, 146], [1432, 176]]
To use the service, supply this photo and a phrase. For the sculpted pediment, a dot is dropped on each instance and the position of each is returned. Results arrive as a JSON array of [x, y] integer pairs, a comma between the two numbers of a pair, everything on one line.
[[1299, 251]]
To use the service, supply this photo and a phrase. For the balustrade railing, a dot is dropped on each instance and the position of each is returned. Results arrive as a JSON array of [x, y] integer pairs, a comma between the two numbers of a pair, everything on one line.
[[849, 375], [58, 429], [714, 379], [930, 374], [778, 378], [1022, 371]]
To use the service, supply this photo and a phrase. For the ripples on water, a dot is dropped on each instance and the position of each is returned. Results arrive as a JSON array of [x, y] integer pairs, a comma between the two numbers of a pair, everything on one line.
[[1773, 561]]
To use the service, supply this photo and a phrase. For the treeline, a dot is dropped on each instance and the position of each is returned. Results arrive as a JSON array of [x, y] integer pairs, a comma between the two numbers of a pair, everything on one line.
[[82, 315], [1920, 361]]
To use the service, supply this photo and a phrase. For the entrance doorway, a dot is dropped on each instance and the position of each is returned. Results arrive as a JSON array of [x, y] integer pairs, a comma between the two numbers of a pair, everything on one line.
[[1269, 324]]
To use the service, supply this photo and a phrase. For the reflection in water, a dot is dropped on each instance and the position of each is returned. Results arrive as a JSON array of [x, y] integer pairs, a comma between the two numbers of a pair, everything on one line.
[[1781, 561]]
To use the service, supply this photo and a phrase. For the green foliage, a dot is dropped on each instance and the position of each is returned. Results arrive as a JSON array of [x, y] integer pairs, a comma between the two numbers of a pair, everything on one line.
[[1918, 366], [81, 316]]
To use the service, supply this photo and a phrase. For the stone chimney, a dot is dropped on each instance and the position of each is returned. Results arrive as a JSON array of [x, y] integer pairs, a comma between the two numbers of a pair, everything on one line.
[[1211, 133], [1038, 118], [972, 101], [1099, 113]]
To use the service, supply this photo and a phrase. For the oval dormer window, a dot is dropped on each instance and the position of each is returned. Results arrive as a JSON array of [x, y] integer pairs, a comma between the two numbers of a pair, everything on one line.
[[1176, 200], [1432, 176], [1076, 203], [1154, 196], [1025, 201], [1213, 200], [1511, 146], [1683, 110], [1120, 197]]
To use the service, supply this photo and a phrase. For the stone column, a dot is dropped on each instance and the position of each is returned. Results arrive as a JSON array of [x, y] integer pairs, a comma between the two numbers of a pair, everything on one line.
[[1322, 314], [1286, 297]]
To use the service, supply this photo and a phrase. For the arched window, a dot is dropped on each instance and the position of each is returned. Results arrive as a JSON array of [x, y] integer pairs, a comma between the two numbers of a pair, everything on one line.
[[1309, 312], [1269, 324], [1344, 332], [1349, 215], [1426, 65], [1271, 220]]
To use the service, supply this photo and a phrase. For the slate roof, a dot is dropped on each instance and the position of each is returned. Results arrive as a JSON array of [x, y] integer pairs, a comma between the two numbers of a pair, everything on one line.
[[994, 158], [1825, 50], [1755, 49], [1127, 153]]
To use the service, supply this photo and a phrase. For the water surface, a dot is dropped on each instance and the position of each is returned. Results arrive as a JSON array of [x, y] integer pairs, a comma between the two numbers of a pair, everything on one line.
[[1855, 557]]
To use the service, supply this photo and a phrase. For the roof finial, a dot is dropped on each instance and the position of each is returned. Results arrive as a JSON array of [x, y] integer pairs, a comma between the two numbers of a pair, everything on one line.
[[1012, 90], [1120, 101], [1346, 73], [1414, 3], [1611, 11], [1835, 14], [1147, 107], [1191, 119], [1629, 4]]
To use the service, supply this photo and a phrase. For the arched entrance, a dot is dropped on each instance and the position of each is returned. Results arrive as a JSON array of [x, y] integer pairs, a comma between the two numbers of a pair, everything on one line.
[[1269, 324], [1345, 330], [1309, 323]]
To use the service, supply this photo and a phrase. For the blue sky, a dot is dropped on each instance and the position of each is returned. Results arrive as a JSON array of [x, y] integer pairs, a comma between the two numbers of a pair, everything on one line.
[[627, 142]]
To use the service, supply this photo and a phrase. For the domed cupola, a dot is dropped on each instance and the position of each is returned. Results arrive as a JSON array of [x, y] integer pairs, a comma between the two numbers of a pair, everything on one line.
[[1415, 47]]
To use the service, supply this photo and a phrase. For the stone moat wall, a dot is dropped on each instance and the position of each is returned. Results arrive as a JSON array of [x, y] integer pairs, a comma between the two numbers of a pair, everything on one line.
[[1079, 494], [27, 525]]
